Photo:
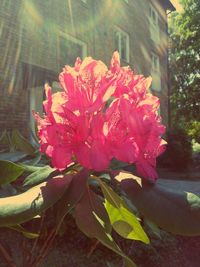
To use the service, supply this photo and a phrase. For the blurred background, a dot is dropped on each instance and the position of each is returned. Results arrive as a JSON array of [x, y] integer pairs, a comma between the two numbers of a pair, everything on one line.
[[160, 38]]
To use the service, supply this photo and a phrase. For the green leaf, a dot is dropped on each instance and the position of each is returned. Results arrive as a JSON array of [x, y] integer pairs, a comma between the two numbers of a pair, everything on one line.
[[38, 176], [21, 143], [27, 234], [91, 222], [73, 195], [122, 219], [35, 160], [31, 168], [7, 190], [154, 228], [173, 205], [9, 171], [12, 156], [99, 210], [23, 207], [116, 164]]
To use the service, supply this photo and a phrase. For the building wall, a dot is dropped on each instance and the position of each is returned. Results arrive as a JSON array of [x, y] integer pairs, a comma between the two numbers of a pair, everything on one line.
[[13, 98], [30, 34]]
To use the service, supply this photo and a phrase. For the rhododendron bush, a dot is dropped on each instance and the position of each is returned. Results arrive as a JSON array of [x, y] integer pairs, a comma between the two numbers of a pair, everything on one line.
[[100, 115], [94, 135]]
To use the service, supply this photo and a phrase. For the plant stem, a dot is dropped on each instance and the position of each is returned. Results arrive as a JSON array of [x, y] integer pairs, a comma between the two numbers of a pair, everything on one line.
[[29, 256], [6, 256], [44, 250], [93, 247]]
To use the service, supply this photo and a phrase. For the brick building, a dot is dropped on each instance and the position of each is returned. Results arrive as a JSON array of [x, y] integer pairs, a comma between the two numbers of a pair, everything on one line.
[[38, 37]]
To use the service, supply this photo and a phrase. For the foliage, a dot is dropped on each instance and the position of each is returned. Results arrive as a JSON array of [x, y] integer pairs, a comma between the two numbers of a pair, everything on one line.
[[184, 63], [76, 191], [171, 205], [101, 115], [196, 147], [122, 219], [178, 154], [9, 171], [39, 187], [193, 130]]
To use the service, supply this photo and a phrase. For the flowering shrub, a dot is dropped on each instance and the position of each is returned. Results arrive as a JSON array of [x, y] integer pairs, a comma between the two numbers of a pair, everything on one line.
[[100, 115]]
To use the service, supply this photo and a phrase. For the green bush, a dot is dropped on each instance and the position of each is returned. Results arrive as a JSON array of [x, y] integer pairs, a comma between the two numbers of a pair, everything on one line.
[[193, 130], [178, 153]]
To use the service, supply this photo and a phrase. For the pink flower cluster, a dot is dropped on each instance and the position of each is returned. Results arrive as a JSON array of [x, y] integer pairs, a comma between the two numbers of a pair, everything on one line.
[[100, 115]]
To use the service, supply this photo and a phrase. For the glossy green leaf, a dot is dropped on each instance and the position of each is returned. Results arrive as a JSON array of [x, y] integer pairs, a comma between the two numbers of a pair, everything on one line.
[[122, 219], [38, 176], [26, 233], [21, 143], [31, 168], [23, 207], [73, 195], [7, 190], [173, 205], [154, 228], [33, 161], [97, 203], [9, 171], [116, 164], [13, 156], [92, 224]]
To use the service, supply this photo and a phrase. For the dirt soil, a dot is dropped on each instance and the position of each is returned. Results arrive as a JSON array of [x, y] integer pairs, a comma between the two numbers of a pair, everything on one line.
[[72, 249]]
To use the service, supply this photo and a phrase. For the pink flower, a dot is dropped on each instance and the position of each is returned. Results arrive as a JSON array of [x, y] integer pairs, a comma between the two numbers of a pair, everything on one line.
[[101, 114], [73, 125], [87, 86], [133, 126]]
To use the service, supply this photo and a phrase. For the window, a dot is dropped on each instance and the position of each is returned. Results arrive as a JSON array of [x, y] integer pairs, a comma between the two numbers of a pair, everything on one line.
[[34, 79], [69, 48], [154, 25], [155, 72], [153, 15], [155, 62], [122, 44], [36, 97], [56, 87]]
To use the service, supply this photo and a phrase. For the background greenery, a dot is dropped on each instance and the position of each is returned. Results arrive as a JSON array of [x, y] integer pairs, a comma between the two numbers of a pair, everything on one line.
[[184, 30]]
